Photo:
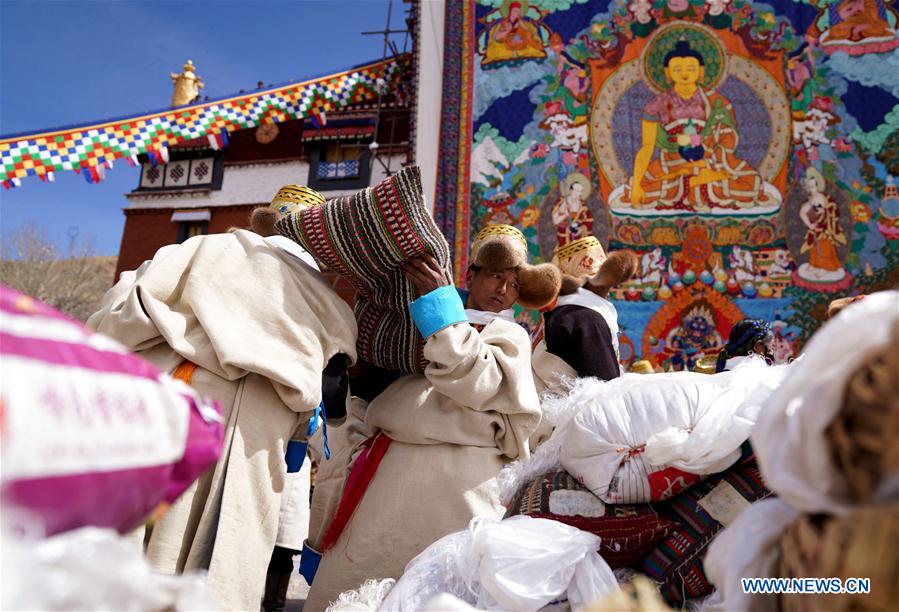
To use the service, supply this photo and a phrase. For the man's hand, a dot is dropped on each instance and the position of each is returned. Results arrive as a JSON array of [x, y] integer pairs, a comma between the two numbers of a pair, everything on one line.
[[424, 273]]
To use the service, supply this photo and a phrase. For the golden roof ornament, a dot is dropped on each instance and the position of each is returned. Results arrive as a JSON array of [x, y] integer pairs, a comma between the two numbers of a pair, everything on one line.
[[187, 85]]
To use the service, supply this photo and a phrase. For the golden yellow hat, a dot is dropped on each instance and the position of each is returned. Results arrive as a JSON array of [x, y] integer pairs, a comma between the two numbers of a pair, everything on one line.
[[642, 366], [502, 232], [706, 364], [292, 198], [580, 258]]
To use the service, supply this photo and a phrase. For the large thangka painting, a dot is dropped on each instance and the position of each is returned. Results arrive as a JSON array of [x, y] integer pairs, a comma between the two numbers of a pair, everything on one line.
[[745, 151]]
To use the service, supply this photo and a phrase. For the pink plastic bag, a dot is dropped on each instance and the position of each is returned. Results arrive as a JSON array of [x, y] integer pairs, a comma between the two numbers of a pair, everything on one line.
[[90, 433]]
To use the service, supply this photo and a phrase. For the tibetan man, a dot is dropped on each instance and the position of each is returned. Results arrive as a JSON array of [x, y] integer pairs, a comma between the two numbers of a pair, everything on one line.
[[252, 323], [443, 435]]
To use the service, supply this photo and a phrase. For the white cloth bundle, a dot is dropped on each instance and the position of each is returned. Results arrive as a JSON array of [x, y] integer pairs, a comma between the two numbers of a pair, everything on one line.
[[638, 439], [793, 453], [520, 563], [789, 438], [90, 569]]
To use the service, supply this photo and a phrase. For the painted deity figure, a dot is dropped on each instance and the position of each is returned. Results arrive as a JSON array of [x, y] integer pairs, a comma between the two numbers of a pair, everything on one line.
[[570, 135], [694, 338], [716, 7], [642, 10], [857, 21], [515, 34], [783, 264], [678, 9], [821, 217], [652, 266], [696, 136], [715, 14], [572, 75], [499, 216], [644, 20], [743, 265], [571, 216]]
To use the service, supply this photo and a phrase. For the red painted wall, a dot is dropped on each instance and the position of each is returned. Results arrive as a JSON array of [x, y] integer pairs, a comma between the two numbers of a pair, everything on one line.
[[148, 230]]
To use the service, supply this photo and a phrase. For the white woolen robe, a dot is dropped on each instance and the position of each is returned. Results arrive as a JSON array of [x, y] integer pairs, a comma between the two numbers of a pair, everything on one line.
[[551, 374], [261, 325], [453, 428]]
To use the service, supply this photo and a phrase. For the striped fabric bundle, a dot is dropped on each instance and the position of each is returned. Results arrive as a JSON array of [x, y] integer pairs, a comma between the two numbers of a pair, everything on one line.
[[365, 237], [701, 512], [627, 531]]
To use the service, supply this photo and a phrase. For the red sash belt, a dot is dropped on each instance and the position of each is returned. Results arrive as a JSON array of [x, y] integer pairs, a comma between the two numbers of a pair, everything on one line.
[[364, 469]]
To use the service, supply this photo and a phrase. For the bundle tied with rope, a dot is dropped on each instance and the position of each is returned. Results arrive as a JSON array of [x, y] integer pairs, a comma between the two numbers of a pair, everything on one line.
[[863, 437], [861, 544]]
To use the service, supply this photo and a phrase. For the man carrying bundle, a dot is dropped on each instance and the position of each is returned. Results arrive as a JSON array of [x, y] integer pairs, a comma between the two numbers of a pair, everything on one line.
[[253, 326], [443, 435]]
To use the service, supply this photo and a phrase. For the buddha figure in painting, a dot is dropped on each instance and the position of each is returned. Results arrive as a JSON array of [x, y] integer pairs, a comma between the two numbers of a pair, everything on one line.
[[514, 35], [860, 20], [695, 134]]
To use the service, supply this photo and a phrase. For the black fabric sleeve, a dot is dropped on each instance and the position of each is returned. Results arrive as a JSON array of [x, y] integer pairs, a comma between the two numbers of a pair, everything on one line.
[[367, 381], [335, 383], [582, 338]]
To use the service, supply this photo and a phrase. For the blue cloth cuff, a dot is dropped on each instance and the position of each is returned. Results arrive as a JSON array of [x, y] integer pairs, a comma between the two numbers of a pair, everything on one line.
[[296, 453], [440, 308], [309, 560]]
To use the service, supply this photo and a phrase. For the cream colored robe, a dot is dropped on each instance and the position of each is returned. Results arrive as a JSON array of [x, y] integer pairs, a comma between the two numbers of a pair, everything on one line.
[[344, 441], [550, 374], [261, 325], [453, 428], [293, 518]]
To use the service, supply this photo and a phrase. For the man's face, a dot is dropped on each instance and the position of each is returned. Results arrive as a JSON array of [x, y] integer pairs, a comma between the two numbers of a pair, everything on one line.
[[491, 291], [763, 349]]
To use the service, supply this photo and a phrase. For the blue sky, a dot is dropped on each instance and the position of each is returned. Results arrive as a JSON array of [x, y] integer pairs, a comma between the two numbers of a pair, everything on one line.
[[64, 63]]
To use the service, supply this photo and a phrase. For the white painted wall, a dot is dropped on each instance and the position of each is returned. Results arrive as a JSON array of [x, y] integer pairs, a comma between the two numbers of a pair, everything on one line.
[[430, 94], [250, 184]]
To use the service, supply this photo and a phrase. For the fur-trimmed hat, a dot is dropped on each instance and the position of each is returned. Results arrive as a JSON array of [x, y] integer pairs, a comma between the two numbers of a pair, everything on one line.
[[501, 247], [643, 366], [292, 198], [618, 267], [263, 219], [581, 257]]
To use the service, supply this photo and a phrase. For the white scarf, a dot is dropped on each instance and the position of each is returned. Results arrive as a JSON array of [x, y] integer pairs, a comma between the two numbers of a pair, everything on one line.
[[286, 244], [483, 317], [733, 362], [587, 299]]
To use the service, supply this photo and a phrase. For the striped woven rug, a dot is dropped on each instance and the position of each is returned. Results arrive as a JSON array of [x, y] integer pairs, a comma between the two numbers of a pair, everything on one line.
[[364, 237]]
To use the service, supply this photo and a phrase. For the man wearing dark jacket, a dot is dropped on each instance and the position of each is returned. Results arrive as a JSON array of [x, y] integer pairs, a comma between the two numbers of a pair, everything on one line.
[[582, 329]]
